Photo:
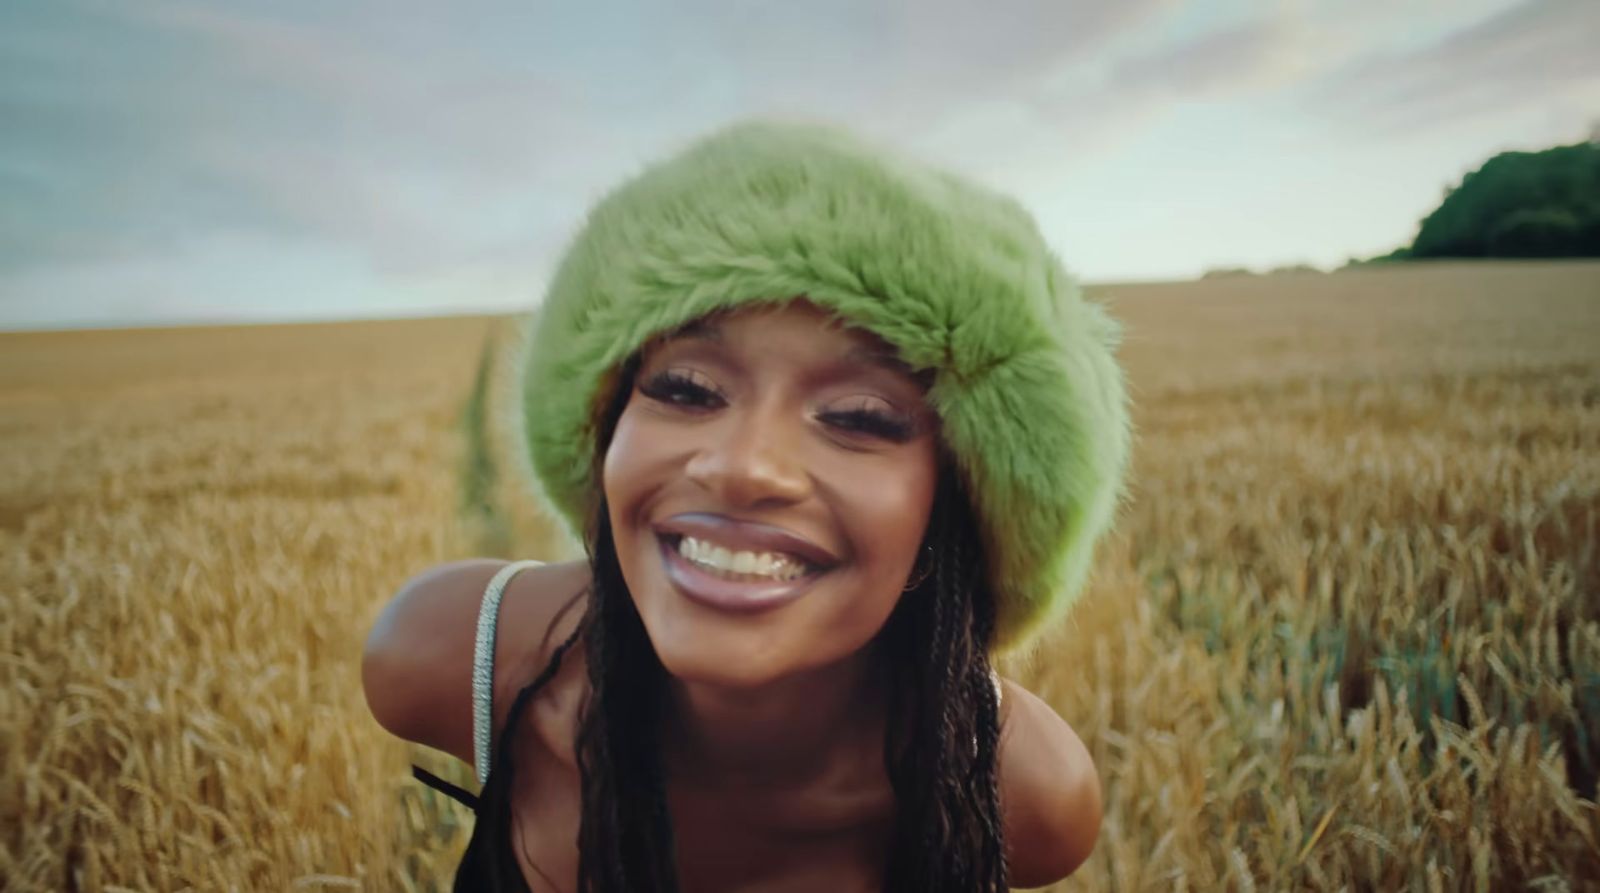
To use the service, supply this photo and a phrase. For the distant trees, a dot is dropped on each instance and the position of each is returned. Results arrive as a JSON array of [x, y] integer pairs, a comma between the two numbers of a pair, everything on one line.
[[1518, 204]]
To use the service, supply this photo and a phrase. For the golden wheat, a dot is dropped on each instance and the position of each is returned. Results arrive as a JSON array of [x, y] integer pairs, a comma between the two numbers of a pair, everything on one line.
[[1347, 635]]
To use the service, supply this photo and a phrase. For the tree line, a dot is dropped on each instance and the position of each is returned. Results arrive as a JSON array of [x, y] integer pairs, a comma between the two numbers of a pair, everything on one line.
[[1518, 204]]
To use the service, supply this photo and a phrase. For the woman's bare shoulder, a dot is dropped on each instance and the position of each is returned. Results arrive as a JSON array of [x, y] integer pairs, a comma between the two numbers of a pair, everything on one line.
[[416, 667], [1049, 790]]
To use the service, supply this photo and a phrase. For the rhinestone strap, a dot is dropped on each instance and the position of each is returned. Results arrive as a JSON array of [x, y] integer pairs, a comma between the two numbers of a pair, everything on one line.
[[483, 666]]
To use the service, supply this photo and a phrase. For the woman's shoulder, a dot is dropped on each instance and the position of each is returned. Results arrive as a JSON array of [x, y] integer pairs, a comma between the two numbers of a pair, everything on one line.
[[416, 667], [1049, 790]]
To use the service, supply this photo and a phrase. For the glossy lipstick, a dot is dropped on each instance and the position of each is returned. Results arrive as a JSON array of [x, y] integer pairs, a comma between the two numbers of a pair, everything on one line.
[[730, 595]]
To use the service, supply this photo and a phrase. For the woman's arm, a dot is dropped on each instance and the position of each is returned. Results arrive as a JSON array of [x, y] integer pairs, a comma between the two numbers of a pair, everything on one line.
[[1048, 790], [416, 668]]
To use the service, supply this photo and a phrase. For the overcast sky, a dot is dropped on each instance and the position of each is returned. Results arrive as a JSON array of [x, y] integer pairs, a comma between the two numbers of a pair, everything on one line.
[[200, 161]]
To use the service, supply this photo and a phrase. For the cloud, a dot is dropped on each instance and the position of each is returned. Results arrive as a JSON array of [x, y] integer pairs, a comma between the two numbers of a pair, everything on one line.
[[1086, 106], [907, 59], [1256, 54], [408, 144], [418, 137], [1532, 50]]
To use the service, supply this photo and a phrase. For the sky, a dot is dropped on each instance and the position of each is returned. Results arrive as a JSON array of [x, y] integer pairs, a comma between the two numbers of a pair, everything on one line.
[[168, 161]]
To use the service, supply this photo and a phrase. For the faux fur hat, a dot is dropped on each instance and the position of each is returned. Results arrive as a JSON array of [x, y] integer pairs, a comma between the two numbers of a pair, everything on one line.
[[957, 277]]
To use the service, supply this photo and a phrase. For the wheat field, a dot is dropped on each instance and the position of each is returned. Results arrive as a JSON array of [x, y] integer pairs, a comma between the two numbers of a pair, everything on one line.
[[1347, 635]]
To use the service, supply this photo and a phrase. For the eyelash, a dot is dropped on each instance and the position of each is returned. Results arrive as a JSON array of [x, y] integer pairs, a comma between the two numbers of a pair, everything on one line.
[[869, 422], [676, 389]]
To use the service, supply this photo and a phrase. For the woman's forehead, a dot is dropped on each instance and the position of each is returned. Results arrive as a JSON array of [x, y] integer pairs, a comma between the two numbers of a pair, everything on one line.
[[828, 331]]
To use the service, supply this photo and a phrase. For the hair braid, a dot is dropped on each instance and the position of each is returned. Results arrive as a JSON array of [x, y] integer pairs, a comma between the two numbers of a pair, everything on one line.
[[625, 835], [494, 805], [942, 750]]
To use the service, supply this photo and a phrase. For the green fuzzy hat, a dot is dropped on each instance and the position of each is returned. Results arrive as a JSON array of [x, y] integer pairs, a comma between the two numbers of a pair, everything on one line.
[[1031, 398]]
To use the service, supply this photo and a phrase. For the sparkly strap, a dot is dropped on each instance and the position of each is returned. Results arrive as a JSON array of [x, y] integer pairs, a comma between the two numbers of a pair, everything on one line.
[[483, 666]]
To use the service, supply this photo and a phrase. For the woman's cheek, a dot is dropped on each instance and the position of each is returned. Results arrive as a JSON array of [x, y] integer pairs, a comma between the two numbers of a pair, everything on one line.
[[632, 455], [619, 452], [894, 519]]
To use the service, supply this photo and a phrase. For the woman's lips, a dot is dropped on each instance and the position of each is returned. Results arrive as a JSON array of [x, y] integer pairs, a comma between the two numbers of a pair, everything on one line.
[[745, 535], [723, 594]]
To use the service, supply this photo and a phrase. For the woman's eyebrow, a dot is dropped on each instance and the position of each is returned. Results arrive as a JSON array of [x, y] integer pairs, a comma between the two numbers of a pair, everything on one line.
[[882, 357], [889, 360], [873, 355], [700, 329]]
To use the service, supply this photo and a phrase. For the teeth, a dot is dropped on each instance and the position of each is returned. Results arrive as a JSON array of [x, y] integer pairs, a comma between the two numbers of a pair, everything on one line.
[[773, 565]]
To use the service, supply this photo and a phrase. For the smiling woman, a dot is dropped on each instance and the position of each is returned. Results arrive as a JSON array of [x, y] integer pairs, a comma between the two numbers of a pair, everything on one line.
[[835, 429], [761, 441]]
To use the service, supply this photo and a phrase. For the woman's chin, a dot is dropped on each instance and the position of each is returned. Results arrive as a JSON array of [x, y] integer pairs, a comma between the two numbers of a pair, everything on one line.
[[701, 660], [706, 643]]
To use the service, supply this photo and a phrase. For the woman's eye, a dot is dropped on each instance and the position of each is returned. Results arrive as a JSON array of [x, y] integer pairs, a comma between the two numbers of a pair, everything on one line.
[[885, 424], [680, 389]]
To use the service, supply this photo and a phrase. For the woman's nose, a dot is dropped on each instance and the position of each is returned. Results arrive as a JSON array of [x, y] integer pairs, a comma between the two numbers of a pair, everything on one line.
[[749, 462]]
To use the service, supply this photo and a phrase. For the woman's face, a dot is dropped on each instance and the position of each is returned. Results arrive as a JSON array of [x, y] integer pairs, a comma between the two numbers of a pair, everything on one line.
[[769, 482]]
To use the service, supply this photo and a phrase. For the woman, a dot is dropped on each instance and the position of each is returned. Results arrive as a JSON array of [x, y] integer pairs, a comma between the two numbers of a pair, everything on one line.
[[835, 429]]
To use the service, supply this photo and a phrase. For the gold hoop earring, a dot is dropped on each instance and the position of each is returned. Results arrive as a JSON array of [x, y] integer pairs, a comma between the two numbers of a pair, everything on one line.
[[921, 570]]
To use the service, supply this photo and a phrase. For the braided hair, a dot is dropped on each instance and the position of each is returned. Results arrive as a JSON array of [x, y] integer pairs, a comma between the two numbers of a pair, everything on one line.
[[940, 749]]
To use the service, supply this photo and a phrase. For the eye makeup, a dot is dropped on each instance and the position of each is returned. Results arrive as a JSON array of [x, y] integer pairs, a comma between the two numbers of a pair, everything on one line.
[[680, 388], [693, 392], [888, 424]]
